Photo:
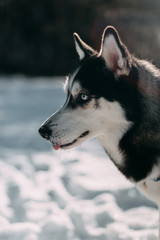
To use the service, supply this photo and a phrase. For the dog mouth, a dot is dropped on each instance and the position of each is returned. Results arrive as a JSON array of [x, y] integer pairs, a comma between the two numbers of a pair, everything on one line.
[[63, 146]]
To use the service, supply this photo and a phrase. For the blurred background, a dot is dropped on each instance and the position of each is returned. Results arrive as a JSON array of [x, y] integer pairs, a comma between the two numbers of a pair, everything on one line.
[[36, 36], [56, 195]]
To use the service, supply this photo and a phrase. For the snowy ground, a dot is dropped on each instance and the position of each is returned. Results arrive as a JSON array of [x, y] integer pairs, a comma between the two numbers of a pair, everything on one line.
[[48, 195]]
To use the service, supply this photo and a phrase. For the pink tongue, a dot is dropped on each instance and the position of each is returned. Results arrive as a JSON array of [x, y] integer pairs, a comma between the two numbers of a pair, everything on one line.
[[56, 147]]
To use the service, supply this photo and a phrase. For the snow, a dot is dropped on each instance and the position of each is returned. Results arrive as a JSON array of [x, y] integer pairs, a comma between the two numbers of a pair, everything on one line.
[[57, 195]]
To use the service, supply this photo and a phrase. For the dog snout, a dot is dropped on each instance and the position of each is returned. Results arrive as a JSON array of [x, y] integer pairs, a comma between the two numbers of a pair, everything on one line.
[[45, 131]]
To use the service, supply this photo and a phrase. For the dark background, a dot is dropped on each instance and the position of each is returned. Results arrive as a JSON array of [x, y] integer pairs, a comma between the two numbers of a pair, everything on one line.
[[36, 36]]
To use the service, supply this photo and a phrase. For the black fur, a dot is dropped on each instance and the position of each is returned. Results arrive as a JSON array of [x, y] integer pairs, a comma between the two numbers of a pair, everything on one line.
[[83, 46], [140, 155], [78, 102], [137, 92]]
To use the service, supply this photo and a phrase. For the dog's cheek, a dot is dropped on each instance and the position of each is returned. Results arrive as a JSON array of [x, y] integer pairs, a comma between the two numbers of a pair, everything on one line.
[[96, 103], [92, 104]]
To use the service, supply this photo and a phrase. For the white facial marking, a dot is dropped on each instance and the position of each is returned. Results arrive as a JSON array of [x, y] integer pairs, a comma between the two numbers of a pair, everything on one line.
[[76, 88], [107, 122], [71, 79]]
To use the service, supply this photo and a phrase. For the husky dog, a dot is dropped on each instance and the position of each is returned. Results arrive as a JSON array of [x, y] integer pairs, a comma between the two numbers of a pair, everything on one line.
[[114, 97]]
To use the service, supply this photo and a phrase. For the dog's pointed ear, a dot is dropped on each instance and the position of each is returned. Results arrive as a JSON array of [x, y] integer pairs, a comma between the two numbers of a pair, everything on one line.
[[82, 48], [114, 52]]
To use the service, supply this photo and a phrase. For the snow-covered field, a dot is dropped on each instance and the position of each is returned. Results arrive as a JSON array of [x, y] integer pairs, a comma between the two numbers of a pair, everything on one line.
[[48, 195]]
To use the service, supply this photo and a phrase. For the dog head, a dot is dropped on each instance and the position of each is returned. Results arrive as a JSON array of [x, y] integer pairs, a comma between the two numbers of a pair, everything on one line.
[[91, 108]]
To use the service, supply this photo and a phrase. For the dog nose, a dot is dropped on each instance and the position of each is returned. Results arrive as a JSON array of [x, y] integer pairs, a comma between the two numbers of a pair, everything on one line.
[[45, 131]]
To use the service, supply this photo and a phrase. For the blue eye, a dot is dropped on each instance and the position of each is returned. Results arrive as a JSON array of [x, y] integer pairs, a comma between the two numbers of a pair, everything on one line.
[[84, 97]]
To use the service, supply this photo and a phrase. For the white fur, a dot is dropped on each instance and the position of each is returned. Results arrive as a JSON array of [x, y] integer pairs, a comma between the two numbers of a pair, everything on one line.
[[76, 89], [107, 123], [114, 126], [79, 51], [69, 81]]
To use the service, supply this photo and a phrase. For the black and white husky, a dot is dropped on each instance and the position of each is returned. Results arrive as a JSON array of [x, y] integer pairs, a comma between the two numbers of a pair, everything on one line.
[[114, 97]]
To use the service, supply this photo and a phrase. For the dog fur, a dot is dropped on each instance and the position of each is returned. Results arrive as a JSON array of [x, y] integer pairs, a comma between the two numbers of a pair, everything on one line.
[[114, 97]]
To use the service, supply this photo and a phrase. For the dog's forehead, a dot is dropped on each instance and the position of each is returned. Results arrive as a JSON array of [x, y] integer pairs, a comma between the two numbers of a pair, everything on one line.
[[71, 79], [73, 84], [76, 88]]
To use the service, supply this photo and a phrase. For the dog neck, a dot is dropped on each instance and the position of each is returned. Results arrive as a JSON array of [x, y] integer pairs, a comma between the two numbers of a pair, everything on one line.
[[110, 139]]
